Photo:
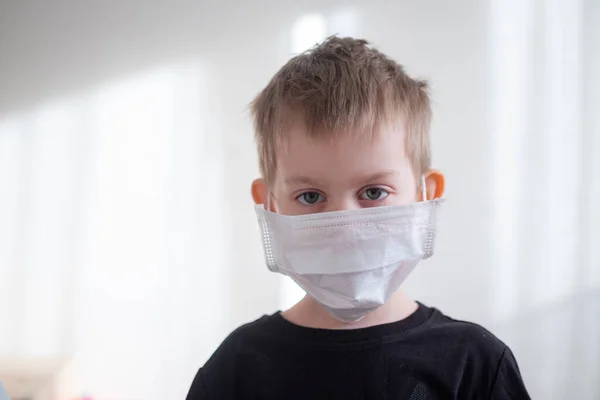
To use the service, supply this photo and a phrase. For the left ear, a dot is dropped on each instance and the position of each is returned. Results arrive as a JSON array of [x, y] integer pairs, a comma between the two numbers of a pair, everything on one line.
[[435, 184], [260, 192]]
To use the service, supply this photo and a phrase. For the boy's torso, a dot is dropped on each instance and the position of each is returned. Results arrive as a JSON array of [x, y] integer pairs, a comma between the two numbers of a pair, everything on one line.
[[426, 356]]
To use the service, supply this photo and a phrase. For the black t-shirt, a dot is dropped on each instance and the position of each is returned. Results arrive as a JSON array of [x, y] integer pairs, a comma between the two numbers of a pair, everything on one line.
[[426, 356]]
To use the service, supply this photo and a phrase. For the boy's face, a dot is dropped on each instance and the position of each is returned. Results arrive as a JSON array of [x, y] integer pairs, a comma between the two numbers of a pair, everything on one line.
[[320, 175]]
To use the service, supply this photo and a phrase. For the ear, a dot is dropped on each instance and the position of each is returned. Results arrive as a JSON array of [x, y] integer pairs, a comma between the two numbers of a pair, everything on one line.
[[435, 184], [260, 192]]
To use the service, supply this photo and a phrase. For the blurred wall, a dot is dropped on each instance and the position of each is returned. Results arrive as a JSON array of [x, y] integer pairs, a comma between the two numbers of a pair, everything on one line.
[[128, 241]]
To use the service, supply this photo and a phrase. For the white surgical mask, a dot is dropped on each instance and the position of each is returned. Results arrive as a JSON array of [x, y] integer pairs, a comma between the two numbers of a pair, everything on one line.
[[350, 261]]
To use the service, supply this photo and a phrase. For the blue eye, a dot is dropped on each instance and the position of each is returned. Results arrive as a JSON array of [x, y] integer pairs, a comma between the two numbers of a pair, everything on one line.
[[310, 198], [374, 194]]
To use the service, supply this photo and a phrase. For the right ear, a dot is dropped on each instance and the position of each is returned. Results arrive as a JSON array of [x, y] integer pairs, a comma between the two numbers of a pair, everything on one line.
[[435, 184], [260, 192]]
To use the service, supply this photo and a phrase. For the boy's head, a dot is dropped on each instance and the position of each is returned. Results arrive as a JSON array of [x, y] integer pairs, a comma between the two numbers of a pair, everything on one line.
[[342, 126]]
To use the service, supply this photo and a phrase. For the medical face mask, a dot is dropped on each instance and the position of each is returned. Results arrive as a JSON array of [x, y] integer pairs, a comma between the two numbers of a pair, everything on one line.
[[350, 261]]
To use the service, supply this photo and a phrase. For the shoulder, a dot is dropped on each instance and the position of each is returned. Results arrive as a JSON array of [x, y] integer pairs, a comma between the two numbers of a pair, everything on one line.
[[241, 339], [466, 335], [487, 361], [213, 379]]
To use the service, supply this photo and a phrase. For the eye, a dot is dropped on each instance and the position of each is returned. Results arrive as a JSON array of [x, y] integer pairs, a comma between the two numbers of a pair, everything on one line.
[[374, 194], [310, 198]]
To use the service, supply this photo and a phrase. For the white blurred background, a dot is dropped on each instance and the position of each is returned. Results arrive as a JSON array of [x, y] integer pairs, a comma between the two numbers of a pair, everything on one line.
[[128, 243]]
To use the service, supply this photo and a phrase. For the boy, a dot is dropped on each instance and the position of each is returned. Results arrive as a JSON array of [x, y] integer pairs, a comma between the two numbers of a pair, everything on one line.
[[347, 205]]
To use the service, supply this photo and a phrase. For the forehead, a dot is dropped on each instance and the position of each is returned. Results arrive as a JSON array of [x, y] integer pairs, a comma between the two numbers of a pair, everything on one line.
[[343, 156]]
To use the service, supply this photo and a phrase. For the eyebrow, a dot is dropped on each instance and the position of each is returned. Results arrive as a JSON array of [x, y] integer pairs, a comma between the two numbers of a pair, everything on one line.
[[301, 180], [378, 176], [304, 180]]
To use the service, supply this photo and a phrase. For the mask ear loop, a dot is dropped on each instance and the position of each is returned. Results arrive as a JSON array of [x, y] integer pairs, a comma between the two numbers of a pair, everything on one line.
[[268, 201], [423, 188]]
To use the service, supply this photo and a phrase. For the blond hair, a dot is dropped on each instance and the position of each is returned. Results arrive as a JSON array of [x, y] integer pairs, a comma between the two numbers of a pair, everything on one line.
[[341, 86]]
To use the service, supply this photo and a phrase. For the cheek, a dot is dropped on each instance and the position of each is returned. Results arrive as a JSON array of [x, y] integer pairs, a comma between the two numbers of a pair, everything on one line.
[[407, 192], [401, 198], [283, 203], [290, 208]]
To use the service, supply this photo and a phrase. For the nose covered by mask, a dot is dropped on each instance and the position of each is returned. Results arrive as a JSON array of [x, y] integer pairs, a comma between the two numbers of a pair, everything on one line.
[[350, 261]]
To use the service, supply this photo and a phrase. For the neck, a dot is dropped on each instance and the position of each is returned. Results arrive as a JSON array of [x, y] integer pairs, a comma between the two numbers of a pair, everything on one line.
[[309, 313]]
